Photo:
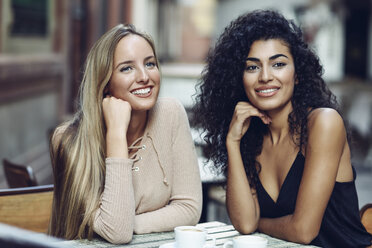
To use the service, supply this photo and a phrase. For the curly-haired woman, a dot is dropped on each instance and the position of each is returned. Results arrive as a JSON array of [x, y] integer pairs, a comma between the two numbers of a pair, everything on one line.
[[273, 127], [126, 163]]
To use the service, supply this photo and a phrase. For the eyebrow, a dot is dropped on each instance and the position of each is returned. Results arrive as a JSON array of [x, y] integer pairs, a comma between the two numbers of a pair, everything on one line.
[[131, 61], [270, 58]]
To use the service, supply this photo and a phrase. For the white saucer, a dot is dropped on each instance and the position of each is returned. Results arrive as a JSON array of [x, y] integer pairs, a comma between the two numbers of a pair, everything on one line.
[[168, 245], [173, 245]]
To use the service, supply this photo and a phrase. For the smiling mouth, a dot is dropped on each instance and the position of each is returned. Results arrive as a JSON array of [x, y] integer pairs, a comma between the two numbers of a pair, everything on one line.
[[266, 91], [141, 92]]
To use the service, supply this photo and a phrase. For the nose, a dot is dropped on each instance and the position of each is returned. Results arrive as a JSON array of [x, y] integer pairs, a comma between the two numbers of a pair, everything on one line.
[[265, 74], [142, 76]]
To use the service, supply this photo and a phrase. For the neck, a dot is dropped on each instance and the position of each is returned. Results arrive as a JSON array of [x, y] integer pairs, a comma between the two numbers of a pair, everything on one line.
[[136, 126], [279, 127]]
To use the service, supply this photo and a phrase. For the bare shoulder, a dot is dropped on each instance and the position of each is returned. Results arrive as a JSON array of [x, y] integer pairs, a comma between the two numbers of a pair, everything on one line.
[[325, 120], [327, 141]]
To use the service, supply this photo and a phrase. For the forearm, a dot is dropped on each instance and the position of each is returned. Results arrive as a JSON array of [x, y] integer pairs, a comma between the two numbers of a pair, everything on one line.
[[241, 203], [183, 211], [114, 218], [184, 205], [287, 228]]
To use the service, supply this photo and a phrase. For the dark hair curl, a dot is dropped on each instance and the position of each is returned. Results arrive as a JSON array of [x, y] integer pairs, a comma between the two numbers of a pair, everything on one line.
[[221, 87]]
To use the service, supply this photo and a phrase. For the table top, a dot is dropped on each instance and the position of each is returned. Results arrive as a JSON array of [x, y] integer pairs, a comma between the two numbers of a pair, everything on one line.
[[218, 230]]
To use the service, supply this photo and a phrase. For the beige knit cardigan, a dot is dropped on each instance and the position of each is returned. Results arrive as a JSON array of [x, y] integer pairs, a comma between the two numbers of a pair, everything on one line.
[[160, 188]]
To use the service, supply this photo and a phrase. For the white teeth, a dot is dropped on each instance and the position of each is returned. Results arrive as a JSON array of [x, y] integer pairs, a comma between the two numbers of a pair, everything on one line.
[[141, 91], [267, 90]]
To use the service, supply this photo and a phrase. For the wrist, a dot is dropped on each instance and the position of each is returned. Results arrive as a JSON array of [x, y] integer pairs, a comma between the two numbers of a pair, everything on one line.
[[116, 145], [231, 142], [116, 133]]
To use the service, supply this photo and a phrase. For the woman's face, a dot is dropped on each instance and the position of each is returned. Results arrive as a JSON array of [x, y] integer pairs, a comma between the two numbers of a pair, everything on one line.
[[269, 75], [135, 77]]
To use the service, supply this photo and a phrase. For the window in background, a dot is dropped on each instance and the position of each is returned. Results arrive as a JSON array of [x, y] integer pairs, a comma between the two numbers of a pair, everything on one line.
[[27, 26], [29, 18]]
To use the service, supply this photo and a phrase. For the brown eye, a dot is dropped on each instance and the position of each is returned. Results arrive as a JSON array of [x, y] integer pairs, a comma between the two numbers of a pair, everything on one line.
[[251, 68], [279, 64]]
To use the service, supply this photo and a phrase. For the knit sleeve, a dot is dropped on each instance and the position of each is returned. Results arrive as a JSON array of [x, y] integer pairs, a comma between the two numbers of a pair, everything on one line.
[[114, 219], [185, 203]]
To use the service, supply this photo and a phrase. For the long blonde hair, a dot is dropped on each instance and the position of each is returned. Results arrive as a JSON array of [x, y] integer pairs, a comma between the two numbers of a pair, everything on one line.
[[78, 146]]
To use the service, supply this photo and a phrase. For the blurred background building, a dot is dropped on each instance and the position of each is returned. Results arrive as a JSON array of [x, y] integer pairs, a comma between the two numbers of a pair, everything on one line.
[[44, 43]]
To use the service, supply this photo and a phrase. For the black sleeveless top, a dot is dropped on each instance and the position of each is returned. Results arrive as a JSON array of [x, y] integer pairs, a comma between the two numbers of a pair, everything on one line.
[[341, 225]]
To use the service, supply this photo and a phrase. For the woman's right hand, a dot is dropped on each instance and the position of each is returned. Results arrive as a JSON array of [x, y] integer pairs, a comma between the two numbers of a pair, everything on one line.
[[241, 120], [117, 114]]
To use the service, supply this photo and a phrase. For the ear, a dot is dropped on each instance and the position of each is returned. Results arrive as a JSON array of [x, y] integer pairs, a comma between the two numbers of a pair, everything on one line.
[[296, 80]]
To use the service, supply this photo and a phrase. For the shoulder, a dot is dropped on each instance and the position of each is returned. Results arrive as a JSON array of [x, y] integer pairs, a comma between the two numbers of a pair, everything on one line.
[[325, 117], [167, 113], [168, 104], [58, 133], [168, 108], [62, 132], [57, 137], [327, 121]]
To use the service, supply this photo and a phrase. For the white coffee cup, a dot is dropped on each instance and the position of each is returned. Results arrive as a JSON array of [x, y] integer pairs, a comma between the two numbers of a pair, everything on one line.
[[190, 237], [246, 241]]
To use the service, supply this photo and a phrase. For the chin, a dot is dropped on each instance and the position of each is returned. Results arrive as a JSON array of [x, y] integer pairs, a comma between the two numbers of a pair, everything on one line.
[[143, 106], [267, 108]]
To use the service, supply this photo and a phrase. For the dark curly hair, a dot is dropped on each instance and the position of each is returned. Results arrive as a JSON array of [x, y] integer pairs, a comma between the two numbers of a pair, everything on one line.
[[221, 87]]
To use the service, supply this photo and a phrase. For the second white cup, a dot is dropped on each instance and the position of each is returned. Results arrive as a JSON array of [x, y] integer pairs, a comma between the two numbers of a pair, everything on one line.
[[190, 237], [247, 241]]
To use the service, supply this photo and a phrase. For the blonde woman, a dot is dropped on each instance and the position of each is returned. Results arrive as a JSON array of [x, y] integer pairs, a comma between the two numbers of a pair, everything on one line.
[[126, 163]]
